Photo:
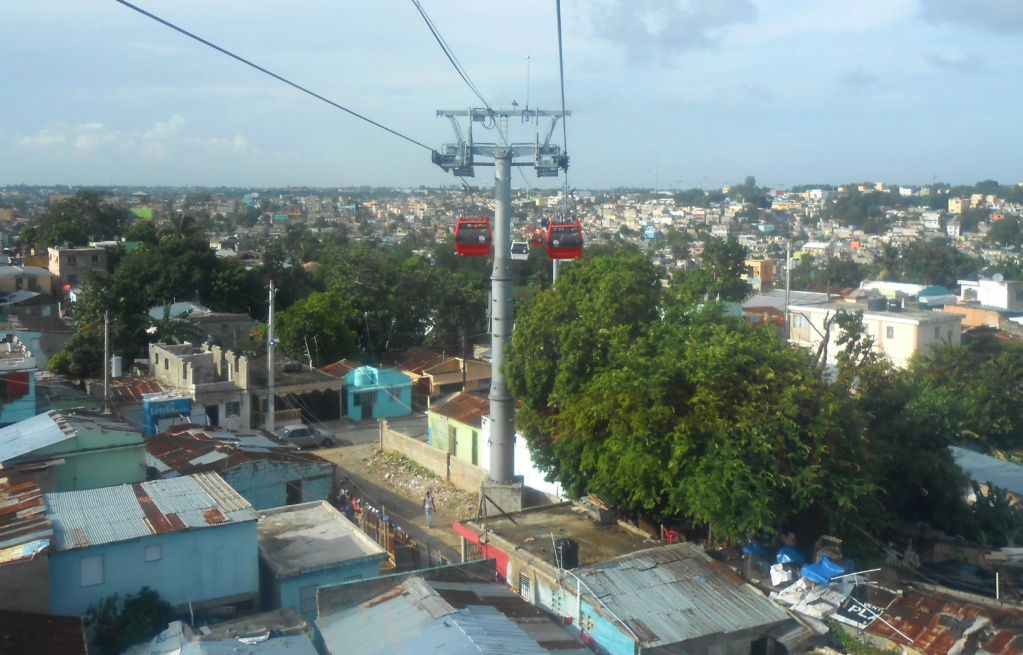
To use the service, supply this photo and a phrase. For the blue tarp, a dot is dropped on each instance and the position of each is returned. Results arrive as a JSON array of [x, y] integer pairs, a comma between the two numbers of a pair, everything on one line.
[[789, 555], [756, 550], [823, 571]]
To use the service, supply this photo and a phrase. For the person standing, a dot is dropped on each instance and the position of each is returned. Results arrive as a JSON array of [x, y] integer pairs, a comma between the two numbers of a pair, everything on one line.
[[428, 507]]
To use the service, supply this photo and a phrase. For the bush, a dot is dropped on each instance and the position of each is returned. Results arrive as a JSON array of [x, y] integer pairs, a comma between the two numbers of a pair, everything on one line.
[[122, 622]]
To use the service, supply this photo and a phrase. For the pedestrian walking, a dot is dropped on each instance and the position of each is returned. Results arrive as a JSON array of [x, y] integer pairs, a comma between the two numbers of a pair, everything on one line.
[[428, 507]]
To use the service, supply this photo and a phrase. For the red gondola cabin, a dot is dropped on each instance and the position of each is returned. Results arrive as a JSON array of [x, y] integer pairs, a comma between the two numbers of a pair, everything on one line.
[[565, 240], [472, 237]]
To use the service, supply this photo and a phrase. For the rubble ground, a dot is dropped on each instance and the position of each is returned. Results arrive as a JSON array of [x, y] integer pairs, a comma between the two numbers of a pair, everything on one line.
[[411, 480]]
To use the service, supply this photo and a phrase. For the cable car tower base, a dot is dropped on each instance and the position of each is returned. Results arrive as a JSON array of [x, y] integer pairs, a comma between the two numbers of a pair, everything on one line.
[[503, 491]]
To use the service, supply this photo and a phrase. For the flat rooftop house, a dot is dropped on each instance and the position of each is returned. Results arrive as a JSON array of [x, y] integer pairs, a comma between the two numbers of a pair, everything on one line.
[[303, 547]]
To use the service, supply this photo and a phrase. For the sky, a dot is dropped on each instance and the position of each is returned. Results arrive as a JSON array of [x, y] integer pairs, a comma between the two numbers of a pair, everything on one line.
[[663, 94]]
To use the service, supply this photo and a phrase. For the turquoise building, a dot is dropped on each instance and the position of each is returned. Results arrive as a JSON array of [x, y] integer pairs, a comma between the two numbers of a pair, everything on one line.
[[191, 539], [84, 451], [304, 547], [377, 393]]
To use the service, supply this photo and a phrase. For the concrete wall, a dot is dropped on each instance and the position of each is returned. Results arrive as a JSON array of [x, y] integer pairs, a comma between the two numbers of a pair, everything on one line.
[[265, 483], [461, 474], [26, 585], [205, 567]]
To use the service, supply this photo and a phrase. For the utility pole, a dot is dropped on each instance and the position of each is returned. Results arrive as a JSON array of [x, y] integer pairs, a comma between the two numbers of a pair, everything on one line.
[[271, 342], [547, 160], [788, 285], [106, 361]]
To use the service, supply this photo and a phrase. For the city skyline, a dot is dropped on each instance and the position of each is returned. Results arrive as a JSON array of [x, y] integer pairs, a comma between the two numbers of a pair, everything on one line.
[[666, 95]]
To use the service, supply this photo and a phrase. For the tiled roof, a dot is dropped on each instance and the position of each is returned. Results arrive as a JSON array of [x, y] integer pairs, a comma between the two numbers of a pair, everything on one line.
[[113, 514], [465, 408]]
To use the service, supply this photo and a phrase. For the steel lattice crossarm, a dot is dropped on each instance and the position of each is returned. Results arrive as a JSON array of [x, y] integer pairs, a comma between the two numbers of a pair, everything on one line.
[[460, 157]]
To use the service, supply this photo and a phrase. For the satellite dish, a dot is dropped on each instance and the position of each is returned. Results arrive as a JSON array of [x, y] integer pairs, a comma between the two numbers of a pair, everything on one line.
[[997, 277]]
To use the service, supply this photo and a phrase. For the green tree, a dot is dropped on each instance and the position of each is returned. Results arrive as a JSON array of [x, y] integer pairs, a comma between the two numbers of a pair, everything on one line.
[[81, 358], [936, 262], [722, 275], [119, 622], [322, 319], [694, 415], [81, 218]]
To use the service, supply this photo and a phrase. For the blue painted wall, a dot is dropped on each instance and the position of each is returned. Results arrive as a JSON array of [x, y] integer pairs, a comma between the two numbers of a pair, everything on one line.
[[265, 483], [358, 569], [196, 565], [391, 389]]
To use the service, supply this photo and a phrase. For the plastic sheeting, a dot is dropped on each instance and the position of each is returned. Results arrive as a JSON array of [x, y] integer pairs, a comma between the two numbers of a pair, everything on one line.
[[823, 571], [789, 555]]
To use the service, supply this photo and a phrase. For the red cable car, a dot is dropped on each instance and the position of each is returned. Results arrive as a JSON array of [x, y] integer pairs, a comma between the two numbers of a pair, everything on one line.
[[565, 240], [538, 238], [472, 237]]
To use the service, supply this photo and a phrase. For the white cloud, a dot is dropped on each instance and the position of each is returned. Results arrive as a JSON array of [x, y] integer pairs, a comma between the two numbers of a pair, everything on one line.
[[653, 28], [42, 140], [1000, 16]]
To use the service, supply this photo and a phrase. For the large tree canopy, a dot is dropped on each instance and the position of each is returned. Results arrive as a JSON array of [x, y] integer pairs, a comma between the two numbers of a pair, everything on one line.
[[695, 415], [79, 219], [684, 410]]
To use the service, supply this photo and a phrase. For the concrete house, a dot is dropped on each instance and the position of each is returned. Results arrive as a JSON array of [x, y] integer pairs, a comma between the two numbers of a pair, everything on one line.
[[266, 472], [216, 380], [192, 539], [435, 374], [71, 452], [622, 595], [69, 264], [456, 426], [378, 393], [304, 547], [899, 333], [17, 381], [27, 278]]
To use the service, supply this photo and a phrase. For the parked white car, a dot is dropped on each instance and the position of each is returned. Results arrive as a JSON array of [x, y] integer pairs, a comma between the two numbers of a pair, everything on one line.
[[304, 436]]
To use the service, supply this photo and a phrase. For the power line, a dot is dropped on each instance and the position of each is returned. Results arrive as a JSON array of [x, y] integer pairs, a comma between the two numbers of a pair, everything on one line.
[[449, 54], [270, 73], [564, 119]]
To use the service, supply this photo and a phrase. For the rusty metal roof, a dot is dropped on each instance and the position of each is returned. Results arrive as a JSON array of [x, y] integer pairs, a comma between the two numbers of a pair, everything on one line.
[[132, 389], [22, 512], [130, 511], [936, 624], [24, 632], [673, 594], [416, 360], [342, 367], [189, 449], [465, 408]]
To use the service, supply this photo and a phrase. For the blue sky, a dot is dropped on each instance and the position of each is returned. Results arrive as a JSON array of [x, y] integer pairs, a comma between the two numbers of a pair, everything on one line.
[[666, 93]]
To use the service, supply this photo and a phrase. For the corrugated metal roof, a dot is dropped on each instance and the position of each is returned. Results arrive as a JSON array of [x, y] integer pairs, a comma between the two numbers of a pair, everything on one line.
[[191, 448], [22, 513], [447, 617], [125, 512], [32, 434], [672, 594], [989, 470], [939, 624], [465, 408]]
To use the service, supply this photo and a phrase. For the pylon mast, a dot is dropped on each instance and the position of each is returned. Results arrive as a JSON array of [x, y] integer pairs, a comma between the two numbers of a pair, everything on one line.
[[460, 158]]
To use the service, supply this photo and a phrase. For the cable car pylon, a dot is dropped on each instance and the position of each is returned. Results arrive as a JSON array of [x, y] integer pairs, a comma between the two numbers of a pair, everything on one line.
[[547, 160]]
